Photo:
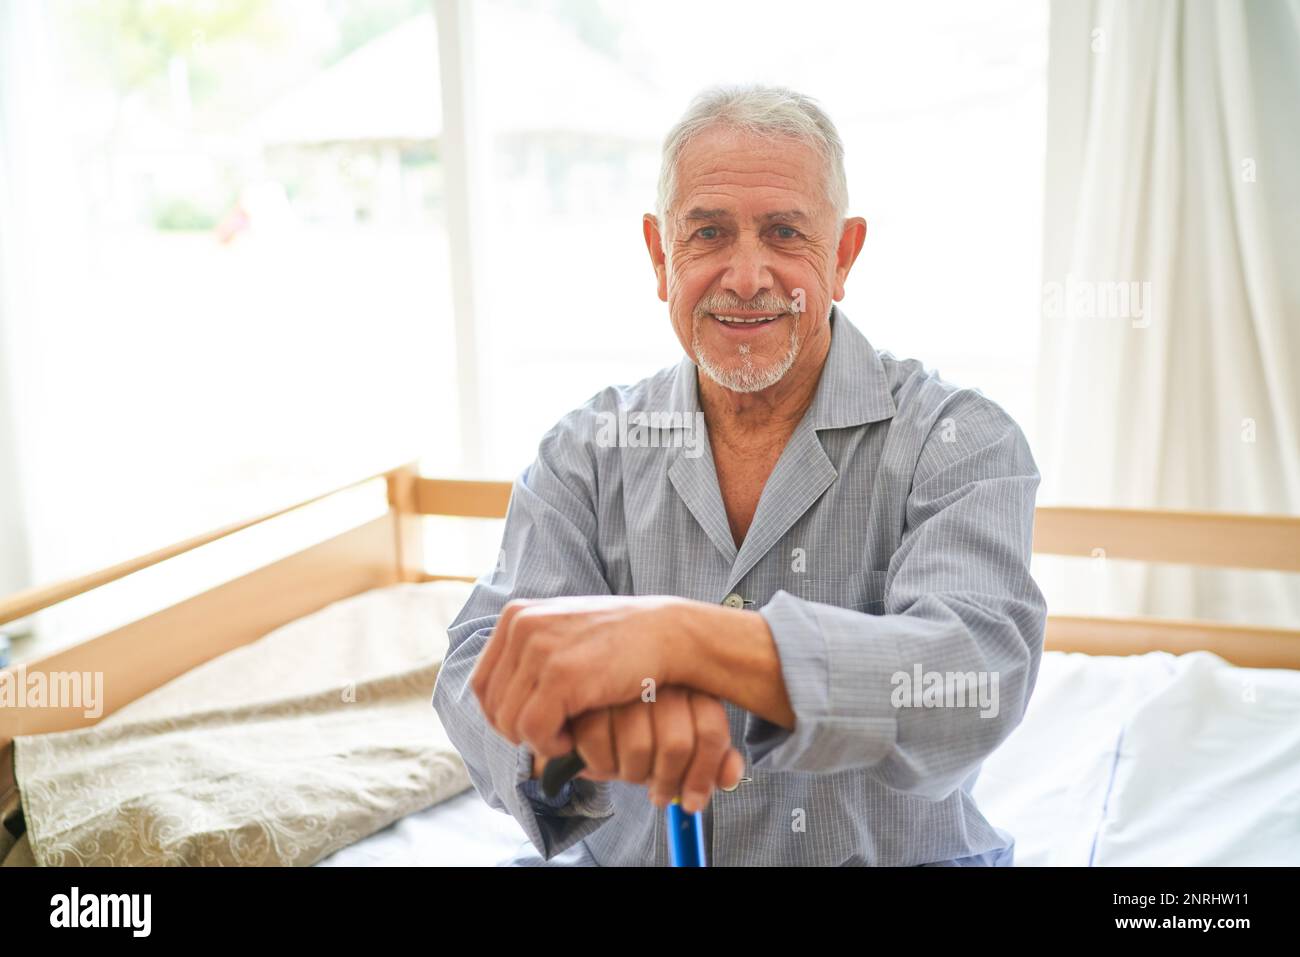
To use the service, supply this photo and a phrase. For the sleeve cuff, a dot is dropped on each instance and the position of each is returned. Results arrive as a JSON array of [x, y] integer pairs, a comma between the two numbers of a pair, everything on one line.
[[837, 672], [532, 789], [551, 827], [578, 798]]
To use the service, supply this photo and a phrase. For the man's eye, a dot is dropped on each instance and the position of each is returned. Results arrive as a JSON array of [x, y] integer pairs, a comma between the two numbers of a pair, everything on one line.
[[707, 232], [787, 232]]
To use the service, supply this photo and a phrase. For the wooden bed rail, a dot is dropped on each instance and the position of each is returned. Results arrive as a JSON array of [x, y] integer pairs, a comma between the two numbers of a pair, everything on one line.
[[461, 499], [1206, 539], [1215, 539], [24, 603], [1247, 646]]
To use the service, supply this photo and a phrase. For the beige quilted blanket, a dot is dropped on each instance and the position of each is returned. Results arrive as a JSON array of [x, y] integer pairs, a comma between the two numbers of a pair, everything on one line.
[[280, 752]]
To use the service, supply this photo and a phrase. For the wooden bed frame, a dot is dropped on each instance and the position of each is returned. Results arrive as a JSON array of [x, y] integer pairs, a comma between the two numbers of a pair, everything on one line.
[[144, 654]]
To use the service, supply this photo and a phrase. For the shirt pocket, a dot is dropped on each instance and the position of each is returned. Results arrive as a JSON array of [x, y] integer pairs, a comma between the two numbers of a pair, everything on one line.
[[861, 591]]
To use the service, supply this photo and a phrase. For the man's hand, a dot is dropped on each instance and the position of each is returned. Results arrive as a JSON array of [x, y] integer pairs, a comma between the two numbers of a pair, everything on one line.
[[678, 744], [553, 659]]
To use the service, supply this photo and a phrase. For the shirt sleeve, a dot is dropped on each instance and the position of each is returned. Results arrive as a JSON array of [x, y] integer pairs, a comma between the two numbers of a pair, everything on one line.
[[961, 613], [548, 549]]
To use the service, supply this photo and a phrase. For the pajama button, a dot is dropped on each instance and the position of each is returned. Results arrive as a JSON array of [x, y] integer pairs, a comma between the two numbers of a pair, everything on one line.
[[734, 601]]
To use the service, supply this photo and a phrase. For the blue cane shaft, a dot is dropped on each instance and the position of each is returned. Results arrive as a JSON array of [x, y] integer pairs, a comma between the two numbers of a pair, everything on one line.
[[685, 836]]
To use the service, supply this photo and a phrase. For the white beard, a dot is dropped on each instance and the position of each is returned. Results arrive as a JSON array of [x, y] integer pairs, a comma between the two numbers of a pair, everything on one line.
[[746, 377]]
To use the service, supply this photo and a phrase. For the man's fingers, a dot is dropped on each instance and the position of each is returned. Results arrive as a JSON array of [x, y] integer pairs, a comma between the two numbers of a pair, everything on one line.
[[491, 653], [593, 737], [518, 686], [502, 667], [510, 703], [541, 723], [674, 730], [712, 740], [733, 769], [634, 741], [643, 743], [512, 681]]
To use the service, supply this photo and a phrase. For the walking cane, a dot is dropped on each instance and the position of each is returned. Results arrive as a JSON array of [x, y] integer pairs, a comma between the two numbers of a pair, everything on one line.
[[685, 831]]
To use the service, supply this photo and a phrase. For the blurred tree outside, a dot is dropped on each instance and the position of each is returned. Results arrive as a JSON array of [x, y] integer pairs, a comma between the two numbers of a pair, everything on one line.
[[179, 82]]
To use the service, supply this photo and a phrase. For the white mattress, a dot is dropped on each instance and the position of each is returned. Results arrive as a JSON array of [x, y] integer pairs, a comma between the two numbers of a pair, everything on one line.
[[1151, 760], [460, 832], [1144, 760]]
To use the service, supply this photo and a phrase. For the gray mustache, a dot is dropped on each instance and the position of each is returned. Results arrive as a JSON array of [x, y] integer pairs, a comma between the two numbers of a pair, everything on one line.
[[708, 306]]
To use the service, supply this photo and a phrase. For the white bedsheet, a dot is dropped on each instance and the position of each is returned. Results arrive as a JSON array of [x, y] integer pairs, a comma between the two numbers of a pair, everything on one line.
[[1144, 760], [1151, 760], [460, 832]]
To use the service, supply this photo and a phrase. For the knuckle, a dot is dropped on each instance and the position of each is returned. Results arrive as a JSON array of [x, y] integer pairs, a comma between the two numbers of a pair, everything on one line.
[[677, 747], [635, 761], [713, 738], [595, 749], [531, 657], [599, 762], [603, 766], [698, 780], [521, 620], [531, 726], [711, 710], [553, 680], [553, 663]]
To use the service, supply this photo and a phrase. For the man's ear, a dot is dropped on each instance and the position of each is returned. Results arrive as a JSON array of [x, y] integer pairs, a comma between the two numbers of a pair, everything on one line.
[[851, 240], [654, 243]]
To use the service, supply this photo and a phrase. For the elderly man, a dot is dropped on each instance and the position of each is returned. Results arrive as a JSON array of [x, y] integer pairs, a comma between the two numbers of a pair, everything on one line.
[[786, 579]]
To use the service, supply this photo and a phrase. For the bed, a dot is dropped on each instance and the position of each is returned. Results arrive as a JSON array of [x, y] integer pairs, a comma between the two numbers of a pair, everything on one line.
[[1146, 741]]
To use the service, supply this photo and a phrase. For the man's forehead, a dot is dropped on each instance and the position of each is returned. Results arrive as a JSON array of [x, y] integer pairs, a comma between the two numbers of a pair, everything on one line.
[[725, 173]]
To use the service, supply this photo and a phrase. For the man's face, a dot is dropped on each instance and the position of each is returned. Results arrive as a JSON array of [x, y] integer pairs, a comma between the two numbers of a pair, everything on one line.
[[752, 237]]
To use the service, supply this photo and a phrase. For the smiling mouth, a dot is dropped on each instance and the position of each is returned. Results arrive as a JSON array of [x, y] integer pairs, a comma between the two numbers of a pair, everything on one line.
[[744, 320]]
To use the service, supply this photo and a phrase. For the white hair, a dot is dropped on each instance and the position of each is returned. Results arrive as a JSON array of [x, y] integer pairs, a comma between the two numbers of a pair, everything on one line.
[[763, 110]]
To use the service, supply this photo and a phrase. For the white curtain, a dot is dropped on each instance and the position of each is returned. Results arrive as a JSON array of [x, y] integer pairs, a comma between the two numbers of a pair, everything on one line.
[[15, 565], [1171, 302]]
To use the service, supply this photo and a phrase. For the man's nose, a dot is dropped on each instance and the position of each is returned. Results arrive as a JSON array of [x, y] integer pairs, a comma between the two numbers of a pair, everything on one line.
[[748, 273]]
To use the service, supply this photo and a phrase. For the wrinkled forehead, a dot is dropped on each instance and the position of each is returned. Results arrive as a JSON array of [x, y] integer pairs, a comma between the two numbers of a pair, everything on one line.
[[750, 175]]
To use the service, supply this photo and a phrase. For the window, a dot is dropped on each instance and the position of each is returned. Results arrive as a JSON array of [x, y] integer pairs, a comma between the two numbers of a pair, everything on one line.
[[226, 273]]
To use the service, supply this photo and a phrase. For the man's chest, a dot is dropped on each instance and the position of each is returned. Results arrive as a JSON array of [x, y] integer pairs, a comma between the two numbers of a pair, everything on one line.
[[822, 524], [741, 480]]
